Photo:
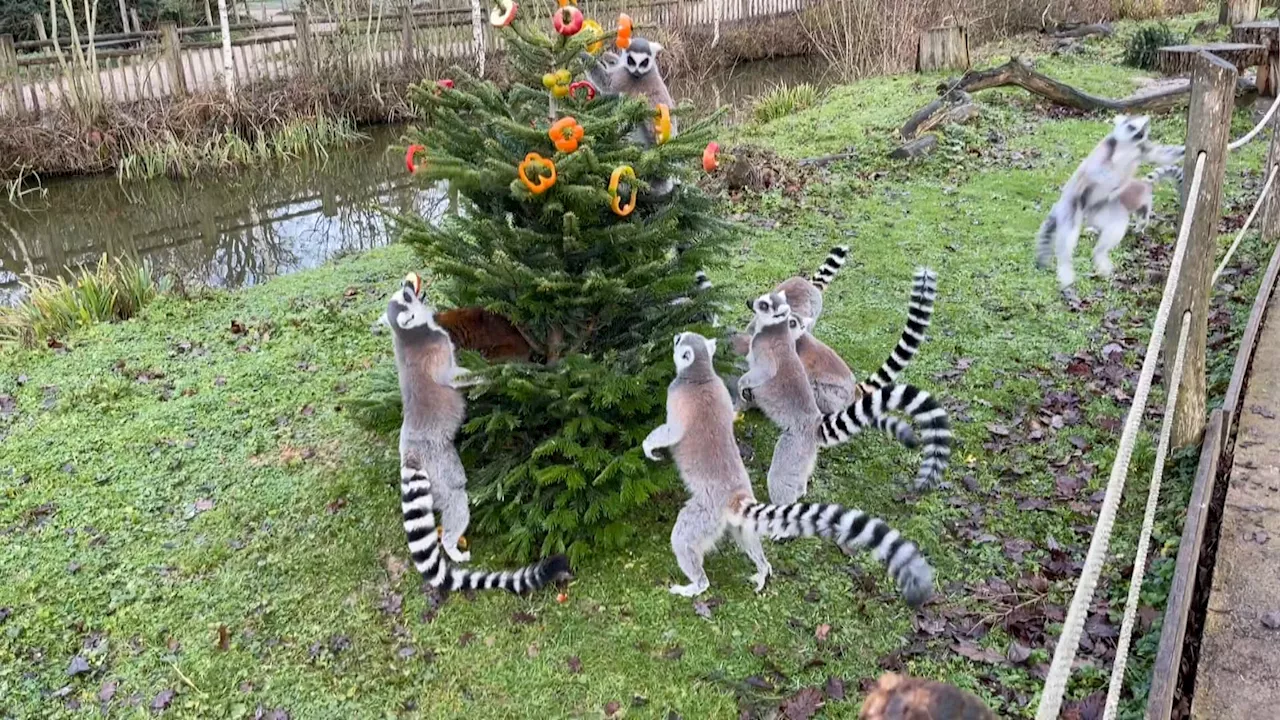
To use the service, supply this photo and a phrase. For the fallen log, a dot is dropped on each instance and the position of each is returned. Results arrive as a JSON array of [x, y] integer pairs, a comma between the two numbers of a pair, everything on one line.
[[1017, 73], [916, 148], [931, 115], [1080, 31]]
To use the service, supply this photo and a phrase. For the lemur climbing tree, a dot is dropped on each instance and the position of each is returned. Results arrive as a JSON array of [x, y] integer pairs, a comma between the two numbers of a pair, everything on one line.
[[560, 240]]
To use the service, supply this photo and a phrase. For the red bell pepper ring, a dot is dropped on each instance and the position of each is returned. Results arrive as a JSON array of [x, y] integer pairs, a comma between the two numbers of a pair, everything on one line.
[[544, 182], [443, 84], [409, 154], [710, 159], [583, 85], [568, 20], [502, 15]]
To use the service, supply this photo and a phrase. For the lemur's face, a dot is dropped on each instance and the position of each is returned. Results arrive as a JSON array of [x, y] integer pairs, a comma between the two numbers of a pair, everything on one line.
[[770, 309], [1132, 128], [798, 326], [641, 57], [689, 346], [406, 309]]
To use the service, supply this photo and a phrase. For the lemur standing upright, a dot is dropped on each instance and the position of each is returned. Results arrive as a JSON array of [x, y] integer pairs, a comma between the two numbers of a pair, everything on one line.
[[431, 473], [699, 431], [776, 382], [1102, 193]]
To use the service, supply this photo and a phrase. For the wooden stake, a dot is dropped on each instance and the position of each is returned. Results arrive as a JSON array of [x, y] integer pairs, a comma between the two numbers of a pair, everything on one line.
[[1271, 206], [9, 81], [302, 30], [1213, 84], [943, 48], [172, 48]]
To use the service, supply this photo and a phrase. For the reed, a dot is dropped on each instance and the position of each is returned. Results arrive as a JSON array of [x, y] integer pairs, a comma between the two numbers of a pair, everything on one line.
[[783, 100], [52, 307]]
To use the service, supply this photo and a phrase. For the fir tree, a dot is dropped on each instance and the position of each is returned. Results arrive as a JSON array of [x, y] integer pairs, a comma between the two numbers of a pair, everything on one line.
[[552, 444]]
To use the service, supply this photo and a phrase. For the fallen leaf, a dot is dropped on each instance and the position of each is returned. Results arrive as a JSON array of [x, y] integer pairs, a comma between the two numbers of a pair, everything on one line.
[[219, 381], [335, 506], [204, 505], [995, 429], [523, 618], [835, 688], [162, 700], [976, 653], [702, 609], [224, 638], [759, 650], [237, 327], [822, 632], [308, 411], [803, 705], [1018, 653], [575, 665], [78, 666], [674, 653], [533, 651], [7, 406], [611, 708], [466, 639], [108, 690]]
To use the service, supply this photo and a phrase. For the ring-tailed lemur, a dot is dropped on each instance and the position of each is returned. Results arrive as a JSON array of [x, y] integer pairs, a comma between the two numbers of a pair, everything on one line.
[[699, 431], [776, 382], [897, 697], [805, 293], [834, 385], [1101, 194], [431, 473]]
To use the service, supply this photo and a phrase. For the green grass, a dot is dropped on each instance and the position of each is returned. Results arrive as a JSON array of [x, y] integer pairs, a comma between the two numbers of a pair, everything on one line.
[[195, 467]]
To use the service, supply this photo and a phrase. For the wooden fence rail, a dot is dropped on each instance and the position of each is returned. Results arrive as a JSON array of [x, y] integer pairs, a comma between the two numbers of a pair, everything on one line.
[[39, 75]]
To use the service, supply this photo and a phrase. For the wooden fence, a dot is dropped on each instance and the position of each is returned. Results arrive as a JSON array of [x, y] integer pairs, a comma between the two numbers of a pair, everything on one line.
[[38, 75]]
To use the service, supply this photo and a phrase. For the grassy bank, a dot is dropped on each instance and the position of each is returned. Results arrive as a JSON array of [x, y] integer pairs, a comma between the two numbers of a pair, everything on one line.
[[193, 524]]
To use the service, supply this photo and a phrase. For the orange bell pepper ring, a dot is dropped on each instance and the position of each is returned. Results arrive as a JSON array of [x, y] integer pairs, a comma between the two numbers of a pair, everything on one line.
[[710, 157], [619, 174], [543, 182], [624, 31], [410, 154], [565, 134], [662, 125]]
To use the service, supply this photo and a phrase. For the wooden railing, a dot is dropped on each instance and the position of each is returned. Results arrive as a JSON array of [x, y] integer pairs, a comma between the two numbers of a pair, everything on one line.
[[37, 75]]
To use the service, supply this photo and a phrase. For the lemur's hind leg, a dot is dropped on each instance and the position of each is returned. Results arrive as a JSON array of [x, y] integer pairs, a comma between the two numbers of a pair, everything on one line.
[[1112, 220], [794, 457], [695, 533], [1136, 197], [750, 544], [454, 518]]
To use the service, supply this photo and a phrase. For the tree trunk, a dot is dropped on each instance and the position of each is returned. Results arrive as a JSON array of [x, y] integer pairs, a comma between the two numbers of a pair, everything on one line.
[[228, 62], [1180, 59], [1233, 12], [1267, 34], [943, 48]]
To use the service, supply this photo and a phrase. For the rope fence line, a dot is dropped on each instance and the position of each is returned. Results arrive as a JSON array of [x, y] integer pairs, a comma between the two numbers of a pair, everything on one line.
[[1262, 197], [1148, 522], [1244, 139], [1064, 653]]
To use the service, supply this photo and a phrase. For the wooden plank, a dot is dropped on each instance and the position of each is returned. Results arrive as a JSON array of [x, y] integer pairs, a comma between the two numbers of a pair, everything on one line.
[[1249, 341], [1164, 675]]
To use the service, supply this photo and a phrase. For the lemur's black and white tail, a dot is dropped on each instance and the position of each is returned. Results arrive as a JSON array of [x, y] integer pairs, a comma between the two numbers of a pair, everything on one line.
[[431, 561], [1173, 172], [1045, 239], [826, 272], [701, 281], [924, 290], [849, 529], [935, 427]]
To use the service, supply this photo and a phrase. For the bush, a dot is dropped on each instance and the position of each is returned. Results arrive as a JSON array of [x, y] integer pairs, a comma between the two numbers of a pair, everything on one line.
[[1140, 50]]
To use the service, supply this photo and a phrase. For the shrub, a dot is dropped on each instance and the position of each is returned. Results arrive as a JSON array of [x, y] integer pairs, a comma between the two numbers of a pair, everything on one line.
[[784, 100], [1140, 50]]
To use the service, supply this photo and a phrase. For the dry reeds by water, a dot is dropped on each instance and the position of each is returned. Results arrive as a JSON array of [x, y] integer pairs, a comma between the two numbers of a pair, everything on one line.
[[108, 291]]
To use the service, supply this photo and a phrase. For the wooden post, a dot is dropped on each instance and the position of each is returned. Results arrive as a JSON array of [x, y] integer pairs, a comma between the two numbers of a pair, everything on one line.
[[172, 48], [943, 48], [1271, 205], [302, 29], [38, 19], [1232, 12], [9, 81], [124, 16], [1213, 91], [406, 35]]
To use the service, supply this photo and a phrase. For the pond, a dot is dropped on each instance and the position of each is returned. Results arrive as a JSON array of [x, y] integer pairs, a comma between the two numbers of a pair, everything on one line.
[[232, 230]]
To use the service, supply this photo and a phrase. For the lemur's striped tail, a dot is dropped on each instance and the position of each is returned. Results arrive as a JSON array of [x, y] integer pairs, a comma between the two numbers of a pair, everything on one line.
[[826, 272], [849, 529], [924, 291], [1168, 171], [935, 433], [431, 561]]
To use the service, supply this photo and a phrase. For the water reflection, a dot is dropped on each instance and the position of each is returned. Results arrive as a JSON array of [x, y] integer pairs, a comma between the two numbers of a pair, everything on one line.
[[231, 230], [239, 229]]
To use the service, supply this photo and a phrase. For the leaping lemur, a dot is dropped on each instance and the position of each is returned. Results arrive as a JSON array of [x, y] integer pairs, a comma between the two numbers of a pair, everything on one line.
[[431, 473], [699, 431], [776, 382], [1102, 193]]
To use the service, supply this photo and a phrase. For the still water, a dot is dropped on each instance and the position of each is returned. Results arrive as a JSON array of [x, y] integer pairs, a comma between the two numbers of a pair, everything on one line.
[[238, 229]]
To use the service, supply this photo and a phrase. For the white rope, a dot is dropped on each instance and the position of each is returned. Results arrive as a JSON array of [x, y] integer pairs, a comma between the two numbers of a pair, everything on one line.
[[1257, 128], [1055, 685], [1248, 221], [1148, 521]]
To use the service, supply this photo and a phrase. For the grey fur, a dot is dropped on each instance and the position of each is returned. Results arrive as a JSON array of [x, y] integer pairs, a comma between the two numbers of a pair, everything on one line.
[[803, 295], [431, 473], [1102, 193], [699, 431]]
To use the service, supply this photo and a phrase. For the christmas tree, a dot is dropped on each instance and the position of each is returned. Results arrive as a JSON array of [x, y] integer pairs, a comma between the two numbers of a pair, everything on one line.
[[567, 272]]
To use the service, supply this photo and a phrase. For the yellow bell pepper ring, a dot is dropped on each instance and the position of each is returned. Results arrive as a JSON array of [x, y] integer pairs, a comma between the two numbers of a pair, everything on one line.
[[619, 174], [662, 125], [595, 31], [543, 182]]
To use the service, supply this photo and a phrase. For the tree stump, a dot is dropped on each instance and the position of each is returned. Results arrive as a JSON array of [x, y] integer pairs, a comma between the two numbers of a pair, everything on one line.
[[1180, 59], [1267, 34], [943, 48], [1234, 12]]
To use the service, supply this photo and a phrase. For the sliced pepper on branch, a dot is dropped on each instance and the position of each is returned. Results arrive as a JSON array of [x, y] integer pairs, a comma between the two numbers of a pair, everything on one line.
[[543, 182], [565, 134], [620, 173]]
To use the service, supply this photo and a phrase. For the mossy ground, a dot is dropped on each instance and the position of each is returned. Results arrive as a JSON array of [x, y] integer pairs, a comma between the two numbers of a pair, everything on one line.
[[187, 508]]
